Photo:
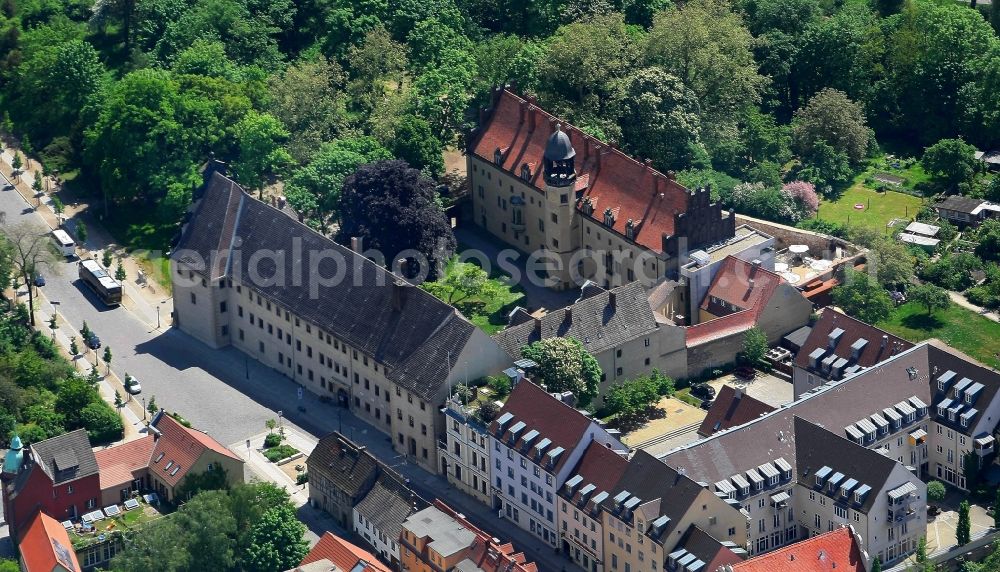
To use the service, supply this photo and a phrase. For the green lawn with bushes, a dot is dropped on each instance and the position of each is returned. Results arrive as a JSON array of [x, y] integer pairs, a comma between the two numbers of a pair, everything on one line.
[[958, 327]]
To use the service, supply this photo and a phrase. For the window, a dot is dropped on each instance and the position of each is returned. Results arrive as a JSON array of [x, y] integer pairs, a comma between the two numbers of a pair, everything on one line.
[[222, 307], [194, 299], [840, 511]]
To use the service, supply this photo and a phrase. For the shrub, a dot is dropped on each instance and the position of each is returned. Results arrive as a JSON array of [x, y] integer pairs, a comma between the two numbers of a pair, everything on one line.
[[272, 440], [935, 491], [302, 478], [500, 385], [275, 454]]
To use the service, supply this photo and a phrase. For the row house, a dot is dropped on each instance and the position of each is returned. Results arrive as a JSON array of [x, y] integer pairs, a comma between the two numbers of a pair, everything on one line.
[[534, 445], [465, 452], [438, 538], [247, 275]]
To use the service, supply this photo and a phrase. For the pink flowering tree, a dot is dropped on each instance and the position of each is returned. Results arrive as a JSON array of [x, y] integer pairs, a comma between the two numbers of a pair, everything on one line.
[[804, 195]]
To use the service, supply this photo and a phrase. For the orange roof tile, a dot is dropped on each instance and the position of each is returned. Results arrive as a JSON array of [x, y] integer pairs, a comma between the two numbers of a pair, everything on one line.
[[117, 464], [836, 550], [343, 554], [180, 446], [609, 178], [45, 545], [731, 409], [741, 284]]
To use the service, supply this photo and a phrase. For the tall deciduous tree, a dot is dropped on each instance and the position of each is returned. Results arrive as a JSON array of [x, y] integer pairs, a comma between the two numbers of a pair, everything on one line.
[[414, 142], [862, 297], [950, 162], [393, 208], [28, 251], [707, 46], [375, 64], [565, 365], [660, 119], [832, 118], [307, 97], [276, 541], [963, 533], [755, 345], [930, 296], [260, 139]]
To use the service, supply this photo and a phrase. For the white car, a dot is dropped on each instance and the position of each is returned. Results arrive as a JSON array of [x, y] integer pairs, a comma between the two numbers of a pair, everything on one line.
[[132, 385]]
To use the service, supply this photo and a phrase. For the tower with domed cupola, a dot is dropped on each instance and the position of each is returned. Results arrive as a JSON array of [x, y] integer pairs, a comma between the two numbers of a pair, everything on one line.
[[559, 172]]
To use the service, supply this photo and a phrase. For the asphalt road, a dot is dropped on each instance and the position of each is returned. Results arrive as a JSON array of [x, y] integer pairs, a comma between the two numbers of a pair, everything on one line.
[[230, 396]]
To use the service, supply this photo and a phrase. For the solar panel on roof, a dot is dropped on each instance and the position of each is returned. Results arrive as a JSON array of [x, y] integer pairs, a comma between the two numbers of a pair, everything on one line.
[[131, 504], [112, 510], [525, 363]]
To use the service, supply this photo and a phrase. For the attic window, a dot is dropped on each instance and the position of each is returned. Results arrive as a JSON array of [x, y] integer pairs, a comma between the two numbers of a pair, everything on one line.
[[176, 468], [525, 171], [170, 464], [497, 156], [158, 458], [912, 372], [630, 229], [609, 217]]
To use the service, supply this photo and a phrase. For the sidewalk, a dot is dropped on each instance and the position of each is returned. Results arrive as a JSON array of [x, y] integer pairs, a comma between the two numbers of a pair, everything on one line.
[[140, 300], [965, 303]]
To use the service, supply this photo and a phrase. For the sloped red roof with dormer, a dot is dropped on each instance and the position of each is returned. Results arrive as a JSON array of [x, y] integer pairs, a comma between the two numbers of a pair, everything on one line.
[[45, 546], [519, 129], [829, 552], [179, 446], [343, 555], [738, 295]]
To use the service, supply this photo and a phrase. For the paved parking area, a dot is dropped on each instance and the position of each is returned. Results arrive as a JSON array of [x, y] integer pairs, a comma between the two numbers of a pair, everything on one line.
[[678, 427], [942, 528]]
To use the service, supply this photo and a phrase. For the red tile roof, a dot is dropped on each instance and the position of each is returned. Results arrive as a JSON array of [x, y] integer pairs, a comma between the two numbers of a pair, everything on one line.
[[180, 446], [740, 284], [608, 177], [836, 550], [732, 285], [45, 545], [117, 464], [343, 554], [539, 411], [600, 466], [731, 409], [854, 329]]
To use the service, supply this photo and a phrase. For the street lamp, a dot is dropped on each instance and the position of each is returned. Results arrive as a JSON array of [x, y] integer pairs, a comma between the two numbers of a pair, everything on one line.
[[157, 316], [143, 408], [281, 428], [55, 318]]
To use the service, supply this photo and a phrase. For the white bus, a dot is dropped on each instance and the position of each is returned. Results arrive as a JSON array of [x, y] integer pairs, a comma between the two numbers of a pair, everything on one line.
[[103, 285], [64, 243]]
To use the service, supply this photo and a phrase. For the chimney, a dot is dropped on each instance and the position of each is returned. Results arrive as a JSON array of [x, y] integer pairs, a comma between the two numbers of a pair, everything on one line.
[[532, 111], [538, 326], [738, 392], [586, 147], [613, 300], [569, 314], [274, 201], [648, 163], [403, 266], [671, 175], [597, 156], [656, 184], [356, 244], [397, 294], [750, 283], [522, 108], [885, 340]]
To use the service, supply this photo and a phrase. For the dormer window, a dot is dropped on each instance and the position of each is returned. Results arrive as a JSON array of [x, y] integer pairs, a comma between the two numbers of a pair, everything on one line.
[[968, 398], [965, 421], [942, 385], [525, 171], [630, 229], [497, 156], [609, 217], [588, 206]]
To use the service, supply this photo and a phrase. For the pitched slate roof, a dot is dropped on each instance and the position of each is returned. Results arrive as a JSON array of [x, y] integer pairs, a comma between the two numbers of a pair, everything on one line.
[[344, 555], [118, 464], [707, 549], [531, 405], [875, 350], [350, 468], [401, 326], [832, 551], [178, 448], [388, 504], [817, 447], [601, 319], [649, 479], [959, 203], [66, 457], [608, 177], [731, 408], [45, 546]]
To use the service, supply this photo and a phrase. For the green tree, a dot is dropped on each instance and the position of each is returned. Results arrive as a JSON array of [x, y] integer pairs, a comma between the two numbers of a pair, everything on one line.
[[374, 64], [442, 94], [954, 271], [930, 296], [988, 240], [461, 281], [921, 555], [414, 142], [430, 39], [161, 546], [832, 118], [260, 140], [713, 57], [151, 406], [9, 566], [755, 345], [119, 403], [315, 189], [85, 331], [631, 400], [16, 165], [862, 297], [276, 541], [37, 185], [935, 491], [950, 162], [892, 262], [971, 469], [564, 365], [103, 424], [73, 396], [27, 252], [81, 231], [876, 565], [106, 258], [583, 62], [963, 533], [660, 119], [74, 349], [307, 98], [120, 271]]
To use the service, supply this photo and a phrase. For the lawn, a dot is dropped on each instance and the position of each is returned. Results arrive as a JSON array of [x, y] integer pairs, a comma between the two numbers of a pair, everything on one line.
[[958, 327], [487, 311], [879, 208]]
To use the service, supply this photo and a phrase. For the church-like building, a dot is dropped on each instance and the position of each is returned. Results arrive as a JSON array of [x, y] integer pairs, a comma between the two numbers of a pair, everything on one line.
[[596, 214]]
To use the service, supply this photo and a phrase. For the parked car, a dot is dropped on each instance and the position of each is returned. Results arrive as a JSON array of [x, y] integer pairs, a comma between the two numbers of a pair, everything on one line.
[[703, 391], [93, 342], [132, 385], [707, 404], [39, 280], [745, 372], [8, 187]]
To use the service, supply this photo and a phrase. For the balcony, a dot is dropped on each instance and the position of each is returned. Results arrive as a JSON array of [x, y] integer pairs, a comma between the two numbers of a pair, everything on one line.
[[984, 445]]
